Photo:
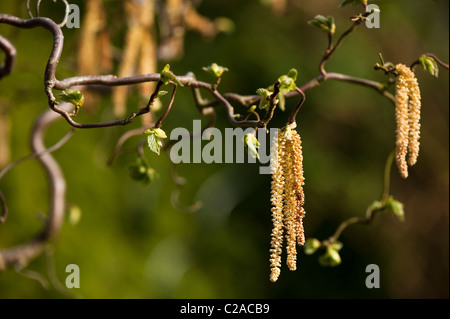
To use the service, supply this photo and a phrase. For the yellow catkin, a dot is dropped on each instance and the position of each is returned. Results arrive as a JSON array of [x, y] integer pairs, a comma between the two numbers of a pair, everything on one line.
[[298, 185], [414, 120], [287, 199], [407, 106], [402, 120], [277, 207], [290, 207]]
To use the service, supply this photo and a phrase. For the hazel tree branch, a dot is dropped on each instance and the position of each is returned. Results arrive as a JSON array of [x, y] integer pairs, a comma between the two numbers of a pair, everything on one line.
[[10, 57], [22, 254]]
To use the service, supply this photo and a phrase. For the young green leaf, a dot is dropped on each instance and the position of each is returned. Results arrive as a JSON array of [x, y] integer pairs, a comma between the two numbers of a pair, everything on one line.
[[251, 145], [293, 74], [346, 2], [287, 81], [154, 139], [429, 65], [154, 143], [264, 103], [311, 246], [215, 69], [331, 258], [167, 76], [376, 205], [141, 172], [161, 93], [74, 97], [252, 108], [326, 24], [396, 208], [159, 132]]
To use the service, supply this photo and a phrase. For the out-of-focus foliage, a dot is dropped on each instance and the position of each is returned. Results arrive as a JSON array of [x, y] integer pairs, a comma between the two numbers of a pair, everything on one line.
[[131, 243]]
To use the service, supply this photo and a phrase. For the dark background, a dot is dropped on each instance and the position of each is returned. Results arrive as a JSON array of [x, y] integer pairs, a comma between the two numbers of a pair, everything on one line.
[[132, 243]]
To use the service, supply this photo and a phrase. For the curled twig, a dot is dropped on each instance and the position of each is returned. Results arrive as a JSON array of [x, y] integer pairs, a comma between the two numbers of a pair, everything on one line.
[[118, 148], [10, 57], [297, 108], [38, 5], [20, 255]]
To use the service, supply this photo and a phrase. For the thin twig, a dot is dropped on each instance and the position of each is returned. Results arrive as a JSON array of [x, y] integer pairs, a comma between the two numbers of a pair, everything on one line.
[[169, 106]]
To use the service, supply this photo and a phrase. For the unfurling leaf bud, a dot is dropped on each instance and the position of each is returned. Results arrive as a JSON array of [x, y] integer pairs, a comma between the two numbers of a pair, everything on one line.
[[396, 208], [326, 24], [429, 65], [167, 76], [154, 139], [311, 246], [142, 172], [74, 97], [215, 69], [251, 145], [331, 258]]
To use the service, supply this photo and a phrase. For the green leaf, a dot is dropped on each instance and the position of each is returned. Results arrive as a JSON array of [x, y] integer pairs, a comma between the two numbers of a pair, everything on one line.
[[141, 172], [396, 208], [154, 139], [331, 258], [251, 145], [161, 93], [326, 24], [337, 245], [74, 97], [376, 205], [264, 103], [287, 81], [287, 84], [154, 143], [251, 108], [215, 69], [311, 246], [346, 2], [293, 74], [429, 65], [157, 131], [167, 76]]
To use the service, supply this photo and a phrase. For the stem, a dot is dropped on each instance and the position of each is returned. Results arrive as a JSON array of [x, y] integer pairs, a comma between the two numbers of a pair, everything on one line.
[[297, 108], [387, 176], [434, 57], [166, 112], [370, 213], [271, 110], [331, 49], [20, 255]]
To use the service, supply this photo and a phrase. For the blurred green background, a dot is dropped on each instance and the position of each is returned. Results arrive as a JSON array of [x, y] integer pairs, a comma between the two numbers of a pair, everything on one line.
[[132, 243]]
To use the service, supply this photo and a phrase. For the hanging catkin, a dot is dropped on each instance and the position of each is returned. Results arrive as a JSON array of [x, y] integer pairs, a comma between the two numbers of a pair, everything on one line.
[[407, 113], [287, 198]]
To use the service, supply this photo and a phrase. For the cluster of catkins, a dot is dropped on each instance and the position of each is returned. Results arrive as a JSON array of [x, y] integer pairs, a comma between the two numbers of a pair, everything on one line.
[[287, 195], [407, 112], [287, 199]]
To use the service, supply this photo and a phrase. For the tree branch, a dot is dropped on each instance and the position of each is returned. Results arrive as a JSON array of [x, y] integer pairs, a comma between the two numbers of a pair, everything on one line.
[[10, 57], [22, 254]]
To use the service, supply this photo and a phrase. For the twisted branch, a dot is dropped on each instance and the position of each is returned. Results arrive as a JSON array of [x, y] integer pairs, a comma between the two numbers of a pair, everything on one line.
[[10, 59], [22, 254]]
